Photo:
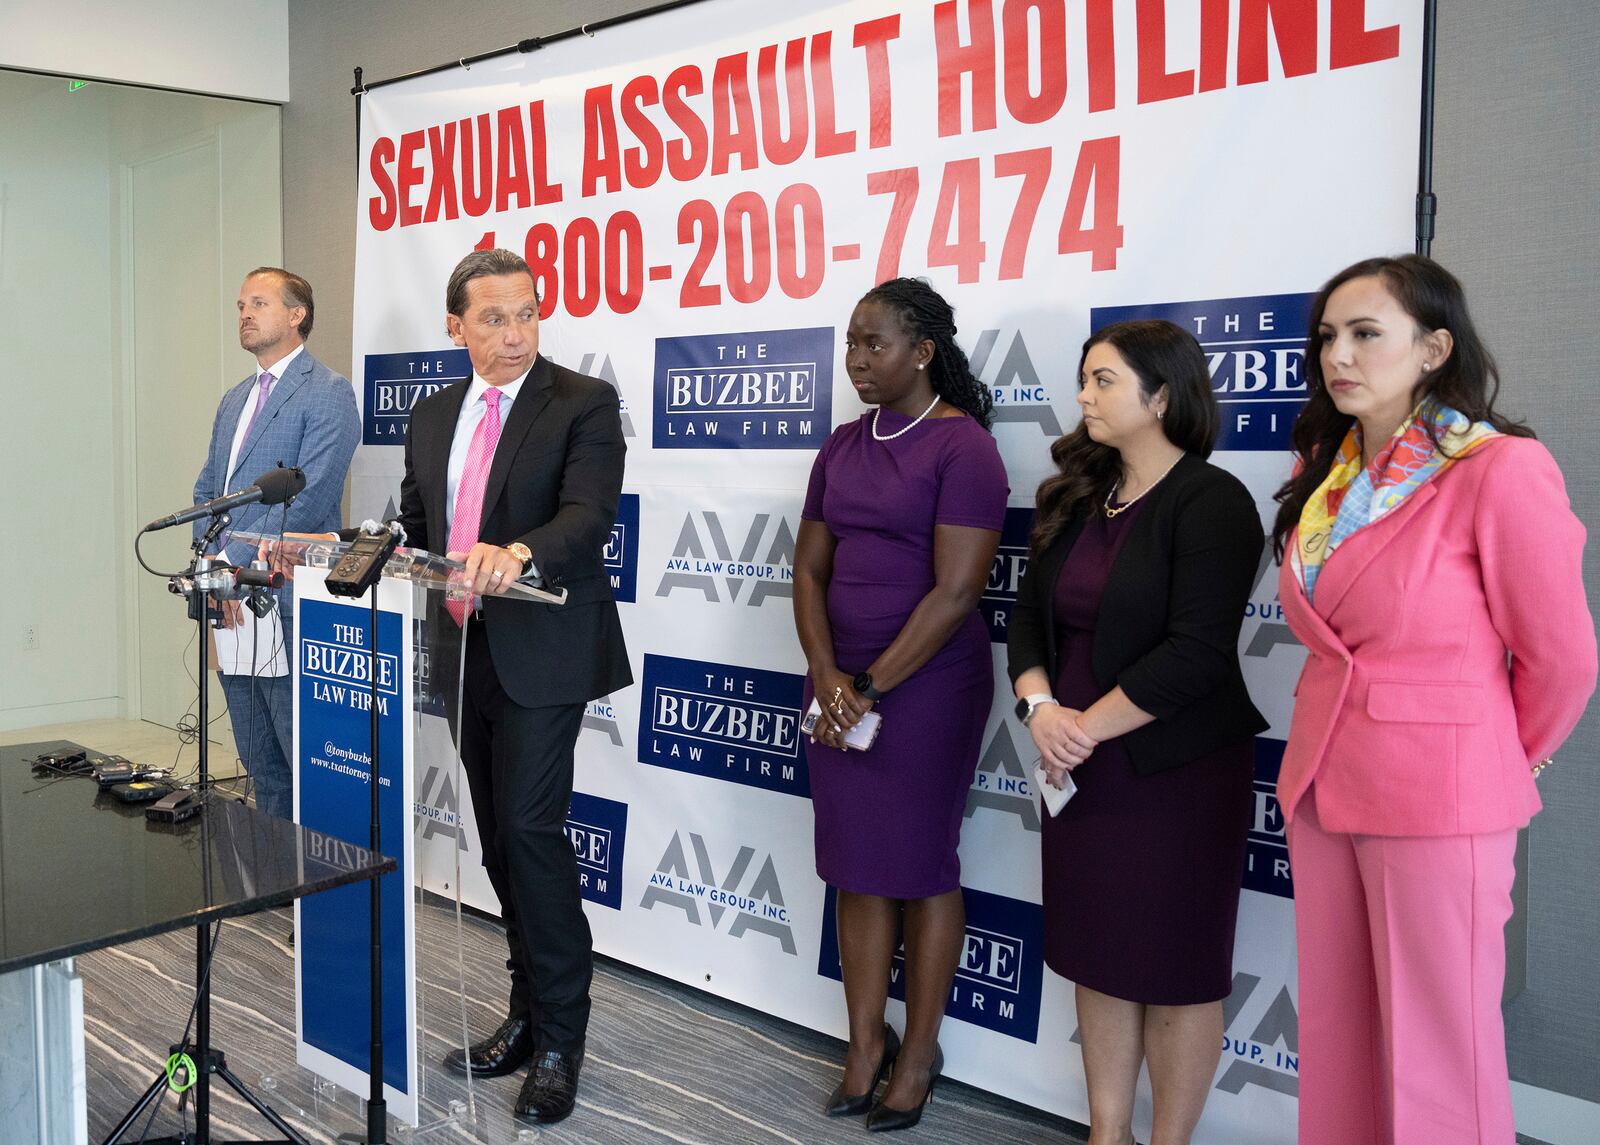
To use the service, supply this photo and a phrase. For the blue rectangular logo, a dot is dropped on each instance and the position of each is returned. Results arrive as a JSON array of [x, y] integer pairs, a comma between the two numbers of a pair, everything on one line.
[[334, 782], [622, 550], [598, 830], [395, 383], [723, 721], [1001, 972], [761, 389], [1255, 348], [1010, 562], [1266, 865]]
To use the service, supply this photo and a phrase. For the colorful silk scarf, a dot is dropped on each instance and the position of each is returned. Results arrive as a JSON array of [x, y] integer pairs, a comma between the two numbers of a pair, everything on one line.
[[1354, 496]]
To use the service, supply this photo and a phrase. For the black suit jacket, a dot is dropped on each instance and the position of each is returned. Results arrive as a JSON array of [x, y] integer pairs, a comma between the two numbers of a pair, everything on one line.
[[554, 486], [1168, 627]]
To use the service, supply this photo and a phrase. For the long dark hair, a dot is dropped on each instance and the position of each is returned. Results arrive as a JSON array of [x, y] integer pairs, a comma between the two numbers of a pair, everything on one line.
[[925, 314], [1160, 354], [1467, 380]]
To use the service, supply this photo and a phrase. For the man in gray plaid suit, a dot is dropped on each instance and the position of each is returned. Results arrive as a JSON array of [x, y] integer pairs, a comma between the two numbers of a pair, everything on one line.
[[292, 411]]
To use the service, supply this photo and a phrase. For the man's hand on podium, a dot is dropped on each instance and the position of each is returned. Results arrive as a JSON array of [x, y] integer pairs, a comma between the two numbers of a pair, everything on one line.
[[490, 568]]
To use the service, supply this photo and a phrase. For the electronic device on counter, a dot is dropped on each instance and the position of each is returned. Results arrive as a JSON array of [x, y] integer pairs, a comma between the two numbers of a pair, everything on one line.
[[141, 790], [67, 761], [175, 806], [113, 769]]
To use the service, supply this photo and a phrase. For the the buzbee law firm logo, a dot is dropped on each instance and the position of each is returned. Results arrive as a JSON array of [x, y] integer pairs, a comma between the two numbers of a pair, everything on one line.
[[1010, 562], [738, 894], [1255, 348], [1003, 782], [1001, 972], [723, 721], [395, 383], [761, 389], [1266, 866], [704, 562], [621, 553], [598, 831], [339, 670], [1020, 397]]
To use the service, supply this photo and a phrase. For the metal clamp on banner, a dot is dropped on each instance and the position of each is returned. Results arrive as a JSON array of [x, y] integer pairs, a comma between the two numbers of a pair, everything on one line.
[[362, 565]]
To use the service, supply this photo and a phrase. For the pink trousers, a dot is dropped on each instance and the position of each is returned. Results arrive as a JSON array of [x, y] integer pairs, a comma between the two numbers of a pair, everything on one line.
[[1401, 946]]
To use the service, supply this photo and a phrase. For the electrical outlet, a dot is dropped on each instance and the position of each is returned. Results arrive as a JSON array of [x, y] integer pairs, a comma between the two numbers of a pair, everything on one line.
[[30, 638]]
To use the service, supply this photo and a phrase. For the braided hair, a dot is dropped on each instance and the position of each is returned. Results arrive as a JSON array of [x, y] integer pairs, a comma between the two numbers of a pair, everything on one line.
[[925, 314]]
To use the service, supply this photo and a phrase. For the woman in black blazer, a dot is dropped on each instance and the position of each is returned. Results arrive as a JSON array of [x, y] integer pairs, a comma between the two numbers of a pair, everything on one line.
[[1124, 658]]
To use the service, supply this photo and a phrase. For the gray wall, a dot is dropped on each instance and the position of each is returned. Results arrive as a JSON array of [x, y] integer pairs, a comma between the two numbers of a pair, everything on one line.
[[1518, 177], [1516, 173]]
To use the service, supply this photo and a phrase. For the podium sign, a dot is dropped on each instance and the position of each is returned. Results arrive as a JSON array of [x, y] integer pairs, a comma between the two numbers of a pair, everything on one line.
[[333, 735]]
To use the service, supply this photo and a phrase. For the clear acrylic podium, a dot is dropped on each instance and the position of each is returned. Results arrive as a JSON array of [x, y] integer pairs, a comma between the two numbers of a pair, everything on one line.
[[419, 669]]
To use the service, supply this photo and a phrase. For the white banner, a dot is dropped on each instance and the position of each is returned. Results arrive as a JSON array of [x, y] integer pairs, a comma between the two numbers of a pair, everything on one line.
[[703, 195]]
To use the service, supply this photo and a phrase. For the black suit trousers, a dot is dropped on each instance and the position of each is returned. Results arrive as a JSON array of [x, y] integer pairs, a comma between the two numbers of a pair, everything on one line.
[[519, 764]]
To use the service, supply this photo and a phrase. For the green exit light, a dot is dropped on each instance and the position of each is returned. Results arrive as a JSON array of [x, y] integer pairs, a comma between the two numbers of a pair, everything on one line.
[[77, 85]]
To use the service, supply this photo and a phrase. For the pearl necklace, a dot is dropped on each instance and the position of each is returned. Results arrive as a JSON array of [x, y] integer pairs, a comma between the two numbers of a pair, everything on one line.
[[906, 429], [1110, 512]]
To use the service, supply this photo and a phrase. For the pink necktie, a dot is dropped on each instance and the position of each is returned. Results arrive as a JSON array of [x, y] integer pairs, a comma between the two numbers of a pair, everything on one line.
[[469, 494]]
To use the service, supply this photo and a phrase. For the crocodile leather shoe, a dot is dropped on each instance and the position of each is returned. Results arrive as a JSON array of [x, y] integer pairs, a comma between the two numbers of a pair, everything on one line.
[[502, 1052], [551, 1088]]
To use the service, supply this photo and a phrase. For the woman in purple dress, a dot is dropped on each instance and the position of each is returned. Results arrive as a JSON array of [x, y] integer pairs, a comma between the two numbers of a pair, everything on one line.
[[901, 523], [1125, 662]]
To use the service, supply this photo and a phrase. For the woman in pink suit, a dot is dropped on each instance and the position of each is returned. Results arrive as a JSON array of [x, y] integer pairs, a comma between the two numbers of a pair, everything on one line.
[[1431, 565]]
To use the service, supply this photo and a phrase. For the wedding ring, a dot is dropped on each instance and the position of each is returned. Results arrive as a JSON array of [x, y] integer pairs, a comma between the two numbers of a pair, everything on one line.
[[498, 574]]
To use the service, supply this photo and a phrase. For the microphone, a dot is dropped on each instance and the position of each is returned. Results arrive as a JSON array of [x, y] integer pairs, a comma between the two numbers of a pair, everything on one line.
[[273, 487]]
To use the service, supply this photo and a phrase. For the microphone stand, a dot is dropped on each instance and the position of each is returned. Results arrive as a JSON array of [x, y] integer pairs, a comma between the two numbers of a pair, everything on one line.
[[197, 583], [356, 574]]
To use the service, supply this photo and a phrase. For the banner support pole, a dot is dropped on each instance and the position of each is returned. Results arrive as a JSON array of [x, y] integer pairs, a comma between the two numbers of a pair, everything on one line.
[[1427, 201]]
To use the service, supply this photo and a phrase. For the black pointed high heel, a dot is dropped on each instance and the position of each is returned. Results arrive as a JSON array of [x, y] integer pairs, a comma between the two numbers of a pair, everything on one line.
[[841, 1104], [886, 1118]]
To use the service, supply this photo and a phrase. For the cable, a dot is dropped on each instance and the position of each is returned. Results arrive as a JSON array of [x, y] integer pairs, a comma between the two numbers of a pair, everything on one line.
[[138, 556]]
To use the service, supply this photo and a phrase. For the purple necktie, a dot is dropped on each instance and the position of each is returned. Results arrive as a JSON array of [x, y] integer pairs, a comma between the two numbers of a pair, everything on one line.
[[262, 391]]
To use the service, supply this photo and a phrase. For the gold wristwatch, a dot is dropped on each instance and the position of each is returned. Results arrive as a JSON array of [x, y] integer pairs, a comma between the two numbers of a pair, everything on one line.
[[522, 553]]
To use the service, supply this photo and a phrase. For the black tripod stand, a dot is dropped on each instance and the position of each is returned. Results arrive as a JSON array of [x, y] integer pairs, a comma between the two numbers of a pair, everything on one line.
[[197, 1060]]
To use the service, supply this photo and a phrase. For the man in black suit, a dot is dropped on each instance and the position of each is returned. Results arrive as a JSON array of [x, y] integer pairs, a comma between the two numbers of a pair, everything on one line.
[[517, 472]]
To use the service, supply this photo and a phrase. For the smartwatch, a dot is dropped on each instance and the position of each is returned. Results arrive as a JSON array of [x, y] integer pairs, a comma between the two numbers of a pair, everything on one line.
[[863, 684], [1032, 703]]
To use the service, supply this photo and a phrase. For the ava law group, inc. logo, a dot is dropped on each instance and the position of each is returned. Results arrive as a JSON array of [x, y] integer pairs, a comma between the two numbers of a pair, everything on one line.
[[734, 890]]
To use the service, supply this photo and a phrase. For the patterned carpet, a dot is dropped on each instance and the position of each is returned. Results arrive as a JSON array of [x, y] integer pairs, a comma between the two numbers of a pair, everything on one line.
[[664, 1063]]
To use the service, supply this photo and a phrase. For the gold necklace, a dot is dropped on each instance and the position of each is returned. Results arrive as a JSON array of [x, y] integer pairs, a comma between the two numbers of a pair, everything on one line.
[[1110, 512]]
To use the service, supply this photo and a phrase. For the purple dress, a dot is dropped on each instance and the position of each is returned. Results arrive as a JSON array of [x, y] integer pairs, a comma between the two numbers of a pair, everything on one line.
[[1141, 872], [888, 820]]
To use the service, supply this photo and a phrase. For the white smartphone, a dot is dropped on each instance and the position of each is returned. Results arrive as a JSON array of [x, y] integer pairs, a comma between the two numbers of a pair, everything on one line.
[[859, 737], [1053, 797]]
